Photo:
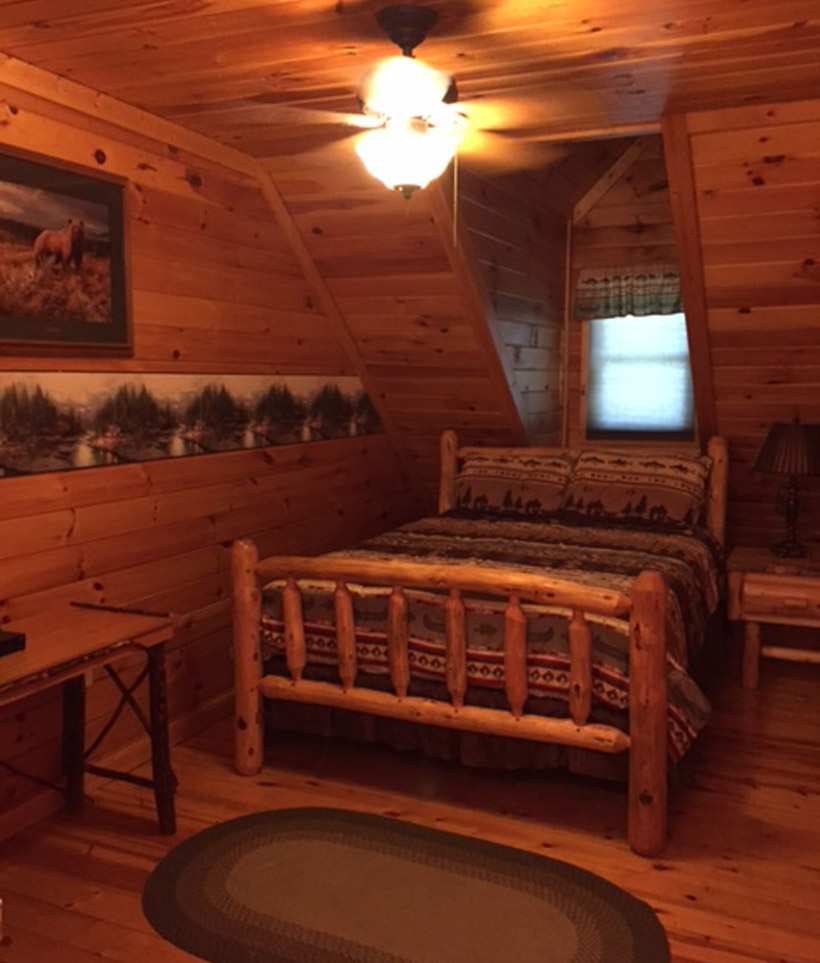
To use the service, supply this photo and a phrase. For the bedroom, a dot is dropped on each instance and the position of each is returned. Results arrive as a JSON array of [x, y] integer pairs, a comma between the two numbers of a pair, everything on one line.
[[248, 256]]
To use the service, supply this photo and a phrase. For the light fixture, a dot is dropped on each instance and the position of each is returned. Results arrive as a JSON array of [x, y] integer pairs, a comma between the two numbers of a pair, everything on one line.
[[791, 449], [421, 128], [404, 87], [406, 154]]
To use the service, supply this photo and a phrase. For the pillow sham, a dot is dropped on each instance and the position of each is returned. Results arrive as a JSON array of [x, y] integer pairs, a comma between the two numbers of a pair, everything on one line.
[[513, 485], [637, 489]]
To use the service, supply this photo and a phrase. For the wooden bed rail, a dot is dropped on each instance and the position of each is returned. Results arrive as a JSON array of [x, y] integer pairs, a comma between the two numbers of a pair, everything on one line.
[[544, 589], [646, 609]]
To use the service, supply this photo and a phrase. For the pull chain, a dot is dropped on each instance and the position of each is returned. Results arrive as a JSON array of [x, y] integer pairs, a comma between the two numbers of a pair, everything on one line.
[[455, 199]]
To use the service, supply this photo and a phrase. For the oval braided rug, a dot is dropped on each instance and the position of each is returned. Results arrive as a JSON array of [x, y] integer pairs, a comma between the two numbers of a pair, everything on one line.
[[330, 886]]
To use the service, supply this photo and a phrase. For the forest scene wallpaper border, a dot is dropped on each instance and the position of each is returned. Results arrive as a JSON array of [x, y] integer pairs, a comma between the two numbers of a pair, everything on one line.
[[60, 421]]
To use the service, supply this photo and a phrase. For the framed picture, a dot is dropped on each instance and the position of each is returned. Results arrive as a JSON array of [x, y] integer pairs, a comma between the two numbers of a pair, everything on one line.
[[62, 261]]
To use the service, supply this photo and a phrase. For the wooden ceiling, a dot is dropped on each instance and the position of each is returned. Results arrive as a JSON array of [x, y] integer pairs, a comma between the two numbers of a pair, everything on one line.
[[232, 69]]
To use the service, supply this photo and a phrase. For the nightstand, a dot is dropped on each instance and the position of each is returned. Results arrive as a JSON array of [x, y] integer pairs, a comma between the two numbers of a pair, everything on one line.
[[764, 588]]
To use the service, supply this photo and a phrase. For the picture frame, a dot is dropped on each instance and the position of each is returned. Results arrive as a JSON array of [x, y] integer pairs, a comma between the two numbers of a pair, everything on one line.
[[63, 260]]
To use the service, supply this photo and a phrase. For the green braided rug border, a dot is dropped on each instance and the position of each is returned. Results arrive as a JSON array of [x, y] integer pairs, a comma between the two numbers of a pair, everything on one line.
[[186, 901]]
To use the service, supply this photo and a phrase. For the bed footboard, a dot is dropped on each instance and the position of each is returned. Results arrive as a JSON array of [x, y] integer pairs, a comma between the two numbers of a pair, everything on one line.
[[247, 658], [646, 609]]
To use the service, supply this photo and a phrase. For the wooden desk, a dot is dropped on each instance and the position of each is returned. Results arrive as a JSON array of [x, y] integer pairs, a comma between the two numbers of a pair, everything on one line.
[[764, 588], [61, 646]]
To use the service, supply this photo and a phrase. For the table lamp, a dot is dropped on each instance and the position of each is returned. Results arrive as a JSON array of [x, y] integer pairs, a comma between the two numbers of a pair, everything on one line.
[[793, 449]]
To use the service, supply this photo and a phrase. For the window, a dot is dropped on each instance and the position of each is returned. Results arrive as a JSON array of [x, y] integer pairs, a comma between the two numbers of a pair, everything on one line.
[[638, 380]]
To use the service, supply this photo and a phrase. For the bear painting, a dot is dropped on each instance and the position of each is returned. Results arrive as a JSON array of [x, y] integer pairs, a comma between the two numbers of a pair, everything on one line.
[[55, 256]]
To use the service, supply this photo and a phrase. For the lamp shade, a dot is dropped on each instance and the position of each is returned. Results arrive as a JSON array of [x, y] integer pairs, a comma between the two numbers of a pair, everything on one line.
[[790, 448]]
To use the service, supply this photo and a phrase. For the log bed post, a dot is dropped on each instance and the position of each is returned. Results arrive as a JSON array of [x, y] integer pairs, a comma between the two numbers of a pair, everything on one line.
[[580, 668], [345, 635], [717, 492], [449, 468], [515, 656], [456, 632], [647, 715], [247, 658], [295, 652], [397, 641]]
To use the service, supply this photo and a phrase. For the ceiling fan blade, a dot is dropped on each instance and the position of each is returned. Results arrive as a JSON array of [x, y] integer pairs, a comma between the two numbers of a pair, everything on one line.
[[289, 114], [520, 112], [499, 152], [339, 150]]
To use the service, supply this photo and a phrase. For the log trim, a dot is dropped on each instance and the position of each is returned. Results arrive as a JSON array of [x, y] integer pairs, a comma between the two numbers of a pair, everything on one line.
[[683, 200], [610, 177], [464, 264], [287, 225]]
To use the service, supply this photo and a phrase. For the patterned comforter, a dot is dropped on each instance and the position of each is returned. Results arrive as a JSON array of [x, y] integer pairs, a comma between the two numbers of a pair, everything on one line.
[[608, 557]]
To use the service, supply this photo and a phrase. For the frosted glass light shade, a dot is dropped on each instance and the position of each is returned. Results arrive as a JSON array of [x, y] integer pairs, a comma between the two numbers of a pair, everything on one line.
[[407, 156], [403, 87]]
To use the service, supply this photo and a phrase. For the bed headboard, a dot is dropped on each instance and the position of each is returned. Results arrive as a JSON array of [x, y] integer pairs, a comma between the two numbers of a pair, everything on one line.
[[716, 491]]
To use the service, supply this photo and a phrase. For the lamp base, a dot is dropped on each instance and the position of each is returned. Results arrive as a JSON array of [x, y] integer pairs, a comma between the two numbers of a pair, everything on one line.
[[789, 549]]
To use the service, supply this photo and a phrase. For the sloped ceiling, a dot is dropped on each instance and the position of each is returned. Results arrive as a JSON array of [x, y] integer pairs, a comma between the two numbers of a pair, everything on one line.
[[420, 315], [223, 67]]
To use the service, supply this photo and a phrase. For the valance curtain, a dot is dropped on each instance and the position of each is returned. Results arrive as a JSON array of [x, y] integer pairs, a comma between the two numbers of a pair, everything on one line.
[[617, 292]]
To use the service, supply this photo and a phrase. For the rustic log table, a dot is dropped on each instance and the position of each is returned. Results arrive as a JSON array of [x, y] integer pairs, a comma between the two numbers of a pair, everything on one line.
[[765, 588], [61, 646]]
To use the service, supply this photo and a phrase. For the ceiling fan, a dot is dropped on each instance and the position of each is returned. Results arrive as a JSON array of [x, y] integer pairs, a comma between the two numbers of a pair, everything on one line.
[[414, 123]]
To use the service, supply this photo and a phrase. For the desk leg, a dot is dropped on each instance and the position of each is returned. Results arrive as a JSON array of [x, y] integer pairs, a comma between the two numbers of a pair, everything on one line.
[[74, 740], [165, 782], [751, 655]]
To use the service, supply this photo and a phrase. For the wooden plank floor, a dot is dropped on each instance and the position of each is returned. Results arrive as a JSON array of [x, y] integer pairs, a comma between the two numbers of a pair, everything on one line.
[[740, 880]]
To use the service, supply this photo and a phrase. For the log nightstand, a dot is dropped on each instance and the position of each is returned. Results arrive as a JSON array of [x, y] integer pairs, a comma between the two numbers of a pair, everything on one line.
[[764, 588]]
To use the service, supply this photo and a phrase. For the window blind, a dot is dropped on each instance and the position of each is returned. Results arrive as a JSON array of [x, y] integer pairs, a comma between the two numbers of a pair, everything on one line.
[[638, 379]]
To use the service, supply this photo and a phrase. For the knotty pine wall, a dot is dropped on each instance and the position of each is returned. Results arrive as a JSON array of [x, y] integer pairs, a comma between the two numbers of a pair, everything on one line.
[[386, 263], [630, 224], [757, 206], [518, 240], [215, 289]]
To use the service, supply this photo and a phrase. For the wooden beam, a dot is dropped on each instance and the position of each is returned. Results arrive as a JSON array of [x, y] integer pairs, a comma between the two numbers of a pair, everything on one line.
[[464, 263], [37, 82], [611, 176], [565, 337], [683, 200]]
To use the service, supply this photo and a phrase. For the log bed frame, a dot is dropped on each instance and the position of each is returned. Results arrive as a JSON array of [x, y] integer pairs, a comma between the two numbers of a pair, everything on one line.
[[645, 607]]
